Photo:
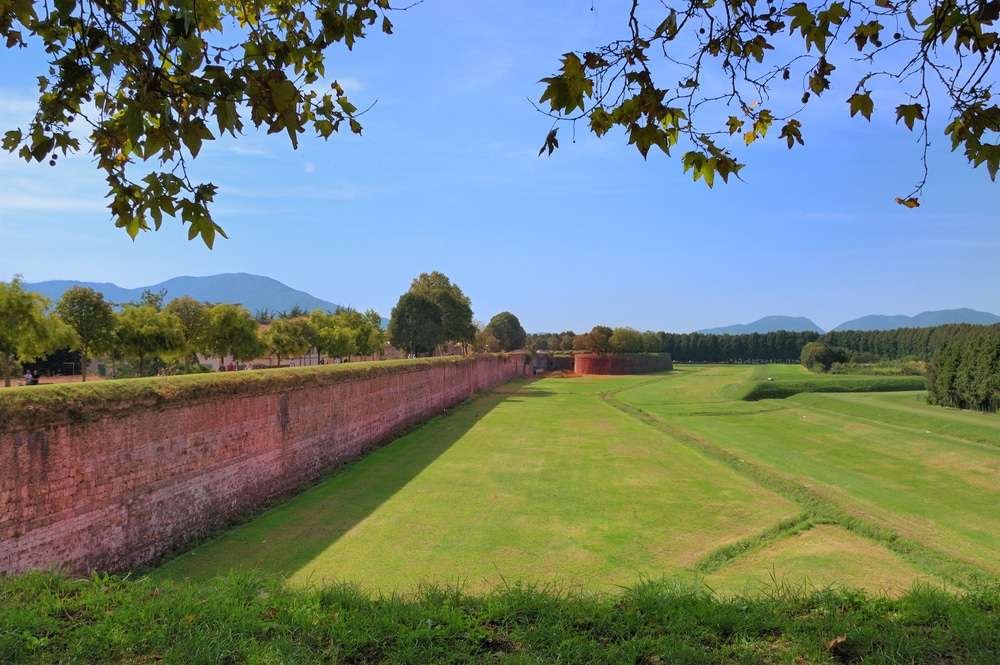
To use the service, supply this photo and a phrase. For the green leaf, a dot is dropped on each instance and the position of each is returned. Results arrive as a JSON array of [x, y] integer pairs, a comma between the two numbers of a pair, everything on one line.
[[193, 133], [600, 122], [668, 28], [566, 91], [283, 94], [792, 133], [11, 140], [346, 106], [65, 7], [861, 103], [909, 114]]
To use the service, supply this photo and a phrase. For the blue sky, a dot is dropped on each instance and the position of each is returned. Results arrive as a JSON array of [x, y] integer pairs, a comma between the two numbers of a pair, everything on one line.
[[446, 177]]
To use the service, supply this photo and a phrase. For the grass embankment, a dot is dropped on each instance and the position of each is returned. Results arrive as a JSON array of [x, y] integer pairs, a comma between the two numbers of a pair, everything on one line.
[[46, 619], [81, 402], [783, 381], [874, 472]]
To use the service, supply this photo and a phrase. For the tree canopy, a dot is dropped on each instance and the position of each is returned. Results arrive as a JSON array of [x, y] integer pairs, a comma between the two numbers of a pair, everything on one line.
[[415, 324], [456, 307], [506, 329], [153, 81], [232, 331], [91, 318], [144, 332], [149, 83], [714, 76], [26, 331]]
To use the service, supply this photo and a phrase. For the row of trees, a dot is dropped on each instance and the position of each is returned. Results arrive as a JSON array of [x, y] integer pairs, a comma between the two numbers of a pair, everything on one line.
[[432, 314], [141, 331], [778, 346], [966, 374]]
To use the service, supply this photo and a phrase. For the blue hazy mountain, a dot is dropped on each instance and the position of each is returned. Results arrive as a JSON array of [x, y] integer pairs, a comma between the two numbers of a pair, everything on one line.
[[766, 325], [922, 320], [252, 291], [872, 322]]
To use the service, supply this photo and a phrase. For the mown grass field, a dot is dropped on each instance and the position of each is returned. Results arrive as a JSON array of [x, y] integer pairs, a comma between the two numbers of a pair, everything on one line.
[[594, 483]]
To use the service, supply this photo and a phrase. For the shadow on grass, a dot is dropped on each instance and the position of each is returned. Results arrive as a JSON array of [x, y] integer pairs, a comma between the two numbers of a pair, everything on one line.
[[290, 535]]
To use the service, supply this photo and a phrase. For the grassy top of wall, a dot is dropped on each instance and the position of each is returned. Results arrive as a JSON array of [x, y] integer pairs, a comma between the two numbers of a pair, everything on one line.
[[35, 406], [780, 389]]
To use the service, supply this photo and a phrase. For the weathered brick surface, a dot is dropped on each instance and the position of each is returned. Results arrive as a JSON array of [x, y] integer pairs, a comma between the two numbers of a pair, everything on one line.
[[622, 364], [117, 492]]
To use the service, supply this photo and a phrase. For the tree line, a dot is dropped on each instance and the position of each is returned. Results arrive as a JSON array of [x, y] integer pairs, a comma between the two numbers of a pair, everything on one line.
[[773, 347], [782, 346], [965, 373], [146, 335]]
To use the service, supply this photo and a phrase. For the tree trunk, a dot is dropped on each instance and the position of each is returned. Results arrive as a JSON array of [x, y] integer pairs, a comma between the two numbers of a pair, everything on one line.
[[6, 370], [83, 365]]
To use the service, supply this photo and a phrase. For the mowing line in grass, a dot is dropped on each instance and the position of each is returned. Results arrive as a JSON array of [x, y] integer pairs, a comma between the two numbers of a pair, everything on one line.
[[818, 508]]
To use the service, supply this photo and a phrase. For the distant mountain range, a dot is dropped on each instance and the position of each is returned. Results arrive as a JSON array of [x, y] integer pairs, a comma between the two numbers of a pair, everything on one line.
[[872, 322], [252, 291], [766, 325], [922, 320]]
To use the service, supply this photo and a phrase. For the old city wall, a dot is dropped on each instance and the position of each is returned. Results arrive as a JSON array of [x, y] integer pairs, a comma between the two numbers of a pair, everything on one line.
[[111, 485], [622, 364]]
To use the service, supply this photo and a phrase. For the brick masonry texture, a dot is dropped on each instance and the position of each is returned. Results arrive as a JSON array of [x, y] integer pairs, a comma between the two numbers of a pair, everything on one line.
[[122, 489], [622, 364]]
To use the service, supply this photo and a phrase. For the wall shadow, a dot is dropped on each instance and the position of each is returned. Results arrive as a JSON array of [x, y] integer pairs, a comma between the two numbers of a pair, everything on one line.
[[292, 533]]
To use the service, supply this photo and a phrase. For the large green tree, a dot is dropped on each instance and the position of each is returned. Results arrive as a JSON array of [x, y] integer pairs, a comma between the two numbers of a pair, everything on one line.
[[195, 323], [288, 338], [26, 332], [415, 324], [232, 332], [626, 340], [506, 329], [143, 332], [456, 307], [91, 318]]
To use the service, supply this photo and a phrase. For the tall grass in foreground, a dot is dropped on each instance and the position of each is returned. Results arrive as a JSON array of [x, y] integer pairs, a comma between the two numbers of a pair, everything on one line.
[[245, 618]]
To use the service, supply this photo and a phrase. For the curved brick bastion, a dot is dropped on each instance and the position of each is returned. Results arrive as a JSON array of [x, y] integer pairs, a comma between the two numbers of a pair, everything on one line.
[[113, 476], [622, 364]]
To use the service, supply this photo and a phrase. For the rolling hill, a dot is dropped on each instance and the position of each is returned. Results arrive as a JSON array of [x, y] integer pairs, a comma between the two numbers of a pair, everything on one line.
[[922, 320], [766, 325], [871, 322], [252, 291]]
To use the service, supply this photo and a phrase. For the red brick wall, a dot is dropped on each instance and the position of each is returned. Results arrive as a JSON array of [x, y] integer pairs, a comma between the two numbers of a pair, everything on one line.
[[119, 491], [622, 364]]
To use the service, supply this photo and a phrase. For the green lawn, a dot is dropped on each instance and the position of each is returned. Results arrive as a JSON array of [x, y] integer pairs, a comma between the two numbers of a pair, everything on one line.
[[924, 473], [539, 481], [598, 482]]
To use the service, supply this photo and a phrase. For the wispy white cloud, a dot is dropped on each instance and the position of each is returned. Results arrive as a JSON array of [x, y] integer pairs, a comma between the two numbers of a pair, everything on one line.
[[249, 151]]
